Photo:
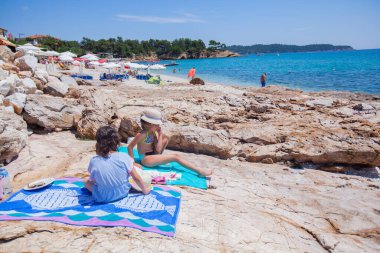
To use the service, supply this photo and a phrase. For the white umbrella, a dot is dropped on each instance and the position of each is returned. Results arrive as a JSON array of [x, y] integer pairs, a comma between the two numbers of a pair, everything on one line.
[[136, 65], [47, 53], [66, 58], [28, 47], [31, 52], [157, 67], [68, 53], [95, 63], [90, 57], [111, 65]]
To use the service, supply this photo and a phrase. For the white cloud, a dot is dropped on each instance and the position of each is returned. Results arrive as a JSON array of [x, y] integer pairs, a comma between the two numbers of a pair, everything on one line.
[[185, 18]]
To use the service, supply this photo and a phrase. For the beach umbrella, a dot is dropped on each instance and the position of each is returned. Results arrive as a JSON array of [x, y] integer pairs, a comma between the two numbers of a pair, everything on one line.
[[90, 57], [95, 63], [28, 47], [66, 58], [68, 53], [157, 67], [47, 53]]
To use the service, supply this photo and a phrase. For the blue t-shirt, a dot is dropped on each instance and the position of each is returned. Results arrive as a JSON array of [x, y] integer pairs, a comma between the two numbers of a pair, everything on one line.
[[110, 175]]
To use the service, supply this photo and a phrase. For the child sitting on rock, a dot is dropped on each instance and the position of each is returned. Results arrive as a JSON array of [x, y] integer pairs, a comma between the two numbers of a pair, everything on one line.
[[151, 143], [110, 170]]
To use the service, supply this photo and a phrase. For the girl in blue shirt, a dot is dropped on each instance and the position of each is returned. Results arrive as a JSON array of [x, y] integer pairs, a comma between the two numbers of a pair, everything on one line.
[[110, 170]]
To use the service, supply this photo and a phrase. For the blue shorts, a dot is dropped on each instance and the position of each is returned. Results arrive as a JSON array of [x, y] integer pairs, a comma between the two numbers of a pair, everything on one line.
[[262, 84]]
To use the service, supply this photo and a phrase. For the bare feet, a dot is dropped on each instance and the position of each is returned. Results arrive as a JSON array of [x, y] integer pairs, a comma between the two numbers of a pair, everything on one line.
[[207, 172]]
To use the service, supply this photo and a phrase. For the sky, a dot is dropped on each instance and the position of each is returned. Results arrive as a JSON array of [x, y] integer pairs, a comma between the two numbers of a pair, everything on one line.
[[233, 22]]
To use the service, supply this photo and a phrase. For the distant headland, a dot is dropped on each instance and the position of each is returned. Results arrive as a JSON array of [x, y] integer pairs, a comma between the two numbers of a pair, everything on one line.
[[280, 48]]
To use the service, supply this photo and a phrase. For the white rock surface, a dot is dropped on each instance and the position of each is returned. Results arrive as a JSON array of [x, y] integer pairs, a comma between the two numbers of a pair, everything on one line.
[[29, 85], [71, 83], [56, 88], [17, 100], [3, 74], [13, 136], [26, 62]]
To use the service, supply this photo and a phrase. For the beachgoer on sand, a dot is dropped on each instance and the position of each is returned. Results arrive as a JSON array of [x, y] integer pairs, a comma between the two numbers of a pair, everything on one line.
[[151, 143], [191, 73], [110, 170], [263, 79]]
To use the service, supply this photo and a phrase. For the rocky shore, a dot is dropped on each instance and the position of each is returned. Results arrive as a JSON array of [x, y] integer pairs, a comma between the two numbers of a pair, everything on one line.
[[273, 150]]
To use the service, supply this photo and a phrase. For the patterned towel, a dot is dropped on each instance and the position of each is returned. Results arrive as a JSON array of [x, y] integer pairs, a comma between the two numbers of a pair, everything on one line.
[[68, 202]]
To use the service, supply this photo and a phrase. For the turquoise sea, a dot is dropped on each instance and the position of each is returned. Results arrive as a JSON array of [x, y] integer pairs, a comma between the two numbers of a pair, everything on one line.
[[356, 71]]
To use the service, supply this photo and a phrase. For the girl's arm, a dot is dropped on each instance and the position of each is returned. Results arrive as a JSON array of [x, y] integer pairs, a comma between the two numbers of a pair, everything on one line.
[[136, 177], [133, 143], [158, 144]]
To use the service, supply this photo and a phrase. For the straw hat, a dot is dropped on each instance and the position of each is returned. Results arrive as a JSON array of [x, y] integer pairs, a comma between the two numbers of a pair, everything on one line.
[[152, 116]]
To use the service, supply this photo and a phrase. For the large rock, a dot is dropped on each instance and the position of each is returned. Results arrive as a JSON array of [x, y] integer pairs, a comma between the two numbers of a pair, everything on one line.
[[10, 67], [199, 140], [99, 100], [13, 136], [3, 74], [128, 128], [17, 100], [42, 75], [4, 87], [8, 85], [69, 81], [56, 88], [90, 122], [28, 85], [51, 113], [26, 62], [6, 54]]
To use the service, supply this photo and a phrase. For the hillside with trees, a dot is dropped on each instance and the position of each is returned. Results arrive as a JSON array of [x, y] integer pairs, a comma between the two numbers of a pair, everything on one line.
[[182, 48], [280, 48]]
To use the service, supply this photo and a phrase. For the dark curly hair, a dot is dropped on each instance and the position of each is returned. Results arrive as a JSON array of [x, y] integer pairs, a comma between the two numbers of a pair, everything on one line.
[[107, 140]]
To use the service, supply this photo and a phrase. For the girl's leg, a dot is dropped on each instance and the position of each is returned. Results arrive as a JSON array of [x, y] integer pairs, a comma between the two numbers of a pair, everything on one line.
[[88, 183], [153, 160]]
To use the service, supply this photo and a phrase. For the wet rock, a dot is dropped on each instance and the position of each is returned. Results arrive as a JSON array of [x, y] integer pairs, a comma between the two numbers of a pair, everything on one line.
[[197, 81]]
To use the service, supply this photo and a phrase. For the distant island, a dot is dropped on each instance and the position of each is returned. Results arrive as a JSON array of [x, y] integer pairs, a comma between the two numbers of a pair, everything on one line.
[[280, 48]]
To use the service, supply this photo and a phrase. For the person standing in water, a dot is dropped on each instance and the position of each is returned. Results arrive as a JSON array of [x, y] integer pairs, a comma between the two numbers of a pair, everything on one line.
[[191, 73], [263, 79]]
